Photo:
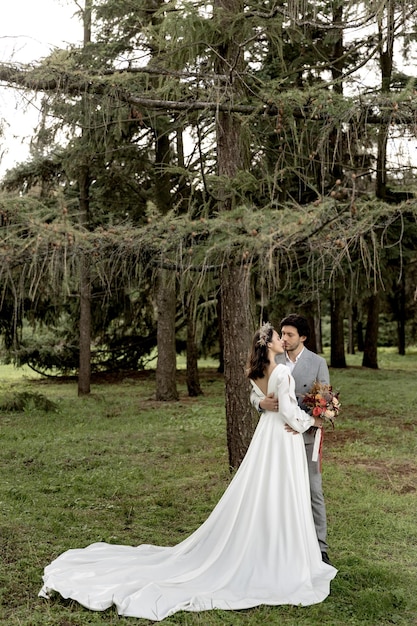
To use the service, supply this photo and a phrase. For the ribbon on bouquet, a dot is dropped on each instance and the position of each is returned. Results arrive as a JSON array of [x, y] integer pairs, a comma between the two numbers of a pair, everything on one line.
[[318, 446]]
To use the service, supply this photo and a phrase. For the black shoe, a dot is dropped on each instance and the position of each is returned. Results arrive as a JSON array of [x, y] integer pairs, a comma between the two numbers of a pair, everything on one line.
[[325, 558]]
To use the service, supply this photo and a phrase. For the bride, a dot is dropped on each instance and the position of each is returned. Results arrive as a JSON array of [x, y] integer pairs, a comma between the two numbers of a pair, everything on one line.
[[258, 546]]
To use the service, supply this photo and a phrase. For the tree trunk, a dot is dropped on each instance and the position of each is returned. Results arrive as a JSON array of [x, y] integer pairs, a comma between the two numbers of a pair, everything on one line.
[[337, 341], [401, 316], [381, 163], [234, 279], [166, 301], [220, 369], [359, 336], [166, 384], [193, 379], [312, 343], [84, 370], [370, 353], [338, 61], [311, 311], [351, 334], [236, 336], [317, 332], [386, 51]]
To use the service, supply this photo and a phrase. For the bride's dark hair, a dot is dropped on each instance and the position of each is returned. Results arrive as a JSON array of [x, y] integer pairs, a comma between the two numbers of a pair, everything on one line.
[[258, 358]]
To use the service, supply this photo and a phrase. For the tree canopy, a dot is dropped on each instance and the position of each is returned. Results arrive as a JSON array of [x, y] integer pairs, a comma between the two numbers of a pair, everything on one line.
[[241, 148]]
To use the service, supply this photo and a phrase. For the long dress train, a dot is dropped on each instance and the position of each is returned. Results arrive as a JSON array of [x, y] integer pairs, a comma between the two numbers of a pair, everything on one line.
[[258, 546]]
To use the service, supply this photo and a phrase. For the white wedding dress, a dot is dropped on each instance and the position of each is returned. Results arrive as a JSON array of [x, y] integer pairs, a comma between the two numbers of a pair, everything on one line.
[[258, 546]]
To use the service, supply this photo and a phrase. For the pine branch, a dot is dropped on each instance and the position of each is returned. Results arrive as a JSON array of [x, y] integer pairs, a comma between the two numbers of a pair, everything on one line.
[[75, 84]]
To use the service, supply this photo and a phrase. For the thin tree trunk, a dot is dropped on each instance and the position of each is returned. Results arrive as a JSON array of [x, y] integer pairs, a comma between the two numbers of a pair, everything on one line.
[[84, 370], [312, 340], [381, 162], [370, 353], [336, 138], [401, 316], [337, 300], [313, 316], [193, 379], [166, 302], [359, 336], [166, 384], [386, 51], [351, 332], [337, 342], [318, 331]]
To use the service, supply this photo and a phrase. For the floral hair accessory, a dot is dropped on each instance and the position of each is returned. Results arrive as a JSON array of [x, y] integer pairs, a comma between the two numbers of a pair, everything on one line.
[[264, 332]]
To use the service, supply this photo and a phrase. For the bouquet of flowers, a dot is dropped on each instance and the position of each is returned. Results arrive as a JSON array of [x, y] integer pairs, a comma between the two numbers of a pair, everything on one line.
[[323, 401]]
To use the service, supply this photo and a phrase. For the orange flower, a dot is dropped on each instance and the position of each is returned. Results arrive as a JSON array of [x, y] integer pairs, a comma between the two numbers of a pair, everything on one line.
[[323, 402]]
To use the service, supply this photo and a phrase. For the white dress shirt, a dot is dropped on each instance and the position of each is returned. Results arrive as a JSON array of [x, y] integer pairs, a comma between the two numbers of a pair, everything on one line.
[[291, 364]]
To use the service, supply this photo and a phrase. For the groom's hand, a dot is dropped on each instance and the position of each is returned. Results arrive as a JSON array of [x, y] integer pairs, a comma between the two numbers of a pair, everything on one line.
[[291, 430], [269, 403]]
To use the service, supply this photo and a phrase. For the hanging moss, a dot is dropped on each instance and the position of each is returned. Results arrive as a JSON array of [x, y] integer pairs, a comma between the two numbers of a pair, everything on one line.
[[41, 251]]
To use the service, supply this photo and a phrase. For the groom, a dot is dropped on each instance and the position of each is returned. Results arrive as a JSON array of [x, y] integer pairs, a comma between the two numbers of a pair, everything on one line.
[[306, 368]]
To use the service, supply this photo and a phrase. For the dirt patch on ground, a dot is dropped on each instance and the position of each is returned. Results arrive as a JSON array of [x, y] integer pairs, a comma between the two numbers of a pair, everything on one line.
[[399, 476], [395, 476], [340, 437]]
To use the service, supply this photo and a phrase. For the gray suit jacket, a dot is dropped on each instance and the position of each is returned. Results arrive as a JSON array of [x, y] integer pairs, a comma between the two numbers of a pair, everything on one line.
[[309, 368]]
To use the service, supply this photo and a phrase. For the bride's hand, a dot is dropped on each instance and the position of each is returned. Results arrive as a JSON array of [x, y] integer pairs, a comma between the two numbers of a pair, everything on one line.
[[318, 422]]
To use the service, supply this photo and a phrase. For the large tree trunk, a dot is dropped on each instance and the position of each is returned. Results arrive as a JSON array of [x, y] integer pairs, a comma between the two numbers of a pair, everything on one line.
[[220, 369], [337, 342], [166, 368], [236, 336], [370, 353], [235, 293]]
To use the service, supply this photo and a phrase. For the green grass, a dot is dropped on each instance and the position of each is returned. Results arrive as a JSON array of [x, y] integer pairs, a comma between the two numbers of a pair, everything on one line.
[[120, 467]]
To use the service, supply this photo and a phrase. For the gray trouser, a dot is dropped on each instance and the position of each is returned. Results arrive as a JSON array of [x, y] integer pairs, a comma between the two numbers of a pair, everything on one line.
[[317, 499]]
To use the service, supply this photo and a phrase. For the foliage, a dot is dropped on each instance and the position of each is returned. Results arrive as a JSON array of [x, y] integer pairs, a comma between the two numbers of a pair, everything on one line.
[[27, 401], [309, 210], [47, 246], [41, 248]]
